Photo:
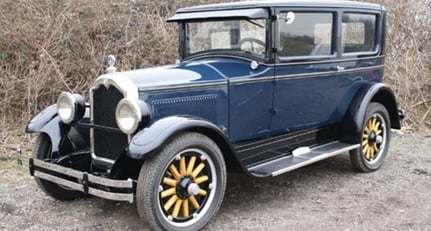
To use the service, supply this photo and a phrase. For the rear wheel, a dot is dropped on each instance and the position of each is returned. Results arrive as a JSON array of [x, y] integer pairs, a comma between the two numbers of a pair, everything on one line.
[[375, 138], [183, 186], [42, 150]]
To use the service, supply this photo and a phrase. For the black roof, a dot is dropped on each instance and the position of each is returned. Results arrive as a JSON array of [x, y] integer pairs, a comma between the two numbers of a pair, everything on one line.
[[281, 3]]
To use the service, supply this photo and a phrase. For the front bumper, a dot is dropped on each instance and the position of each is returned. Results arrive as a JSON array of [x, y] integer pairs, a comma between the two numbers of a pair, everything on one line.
[[117, 190]]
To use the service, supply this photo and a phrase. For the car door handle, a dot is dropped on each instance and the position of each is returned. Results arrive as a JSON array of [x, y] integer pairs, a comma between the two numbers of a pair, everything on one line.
[[340, 68]]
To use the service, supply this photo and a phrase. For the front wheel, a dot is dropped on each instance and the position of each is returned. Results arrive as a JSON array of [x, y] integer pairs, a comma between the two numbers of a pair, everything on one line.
[[183, 186], [42, 150], [375, 138]]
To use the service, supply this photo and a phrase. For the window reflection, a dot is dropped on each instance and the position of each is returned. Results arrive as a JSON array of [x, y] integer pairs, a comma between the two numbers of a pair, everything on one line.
[[308, 34]]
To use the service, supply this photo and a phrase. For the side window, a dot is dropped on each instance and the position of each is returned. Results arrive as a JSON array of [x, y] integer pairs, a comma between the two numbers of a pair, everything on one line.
[[305, 34], [358, 32]]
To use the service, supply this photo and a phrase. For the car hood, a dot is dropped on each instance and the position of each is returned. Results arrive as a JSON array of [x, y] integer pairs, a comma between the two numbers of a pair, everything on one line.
[[191, 72]]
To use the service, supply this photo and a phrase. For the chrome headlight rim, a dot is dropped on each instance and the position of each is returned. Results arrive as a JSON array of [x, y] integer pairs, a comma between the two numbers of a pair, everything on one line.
[[70, 107], [128, 121]]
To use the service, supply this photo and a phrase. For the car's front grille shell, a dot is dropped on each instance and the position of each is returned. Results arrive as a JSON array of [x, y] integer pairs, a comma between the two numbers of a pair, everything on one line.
[[108, 140]]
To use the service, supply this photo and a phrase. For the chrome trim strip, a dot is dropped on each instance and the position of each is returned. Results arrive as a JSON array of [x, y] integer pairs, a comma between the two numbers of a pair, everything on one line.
[[110, 182], [250, 79], [111, 196], [126, 86], [242, 80], [291, 63], [58, 168], [209, 56], [337, 72], [202, 84], [58, 180]]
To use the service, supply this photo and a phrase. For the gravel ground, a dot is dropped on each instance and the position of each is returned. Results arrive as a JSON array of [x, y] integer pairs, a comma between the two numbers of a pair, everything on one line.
[[324, 196]]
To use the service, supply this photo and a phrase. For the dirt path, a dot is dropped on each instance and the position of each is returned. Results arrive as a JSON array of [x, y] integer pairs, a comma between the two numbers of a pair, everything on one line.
[[325, 196]]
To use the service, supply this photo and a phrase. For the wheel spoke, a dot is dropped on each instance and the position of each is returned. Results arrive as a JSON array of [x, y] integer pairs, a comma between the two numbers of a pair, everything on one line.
[[367, 128], [365, 142], [174, 172], [169, 181], [194, 202], [170, 202], [183, 165], [377, 126], [191, 164], [376, 149], [365, 149], [186, 208], [379, 132], [196, 172], [372, 152], [168, 192], [202, 192], [201, 179], [177, 208], [367, 152]]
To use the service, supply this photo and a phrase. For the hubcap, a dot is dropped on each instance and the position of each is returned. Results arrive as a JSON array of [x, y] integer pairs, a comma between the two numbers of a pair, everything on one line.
[[373, 138], [186, 187]]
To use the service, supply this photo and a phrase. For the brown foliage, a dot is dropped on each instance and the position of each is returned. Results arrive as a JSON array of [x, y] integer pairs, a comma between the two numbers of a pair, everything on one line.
[[48, 46]]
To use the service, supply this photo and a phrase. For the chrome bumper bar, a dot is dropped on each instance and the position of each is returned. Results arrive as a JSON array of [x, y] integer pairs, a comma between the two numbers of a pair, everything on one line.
[[117, 190]]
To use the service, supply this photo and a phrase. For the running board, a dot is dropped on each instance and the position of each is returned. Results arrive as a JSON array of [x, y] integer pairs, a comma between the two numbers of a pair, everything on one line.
[[300, 159]]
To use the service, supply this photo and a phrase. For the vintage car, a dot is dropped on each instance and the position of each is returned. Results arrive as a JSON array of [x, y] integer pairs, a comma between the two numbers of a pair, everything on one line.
[[261, 87]]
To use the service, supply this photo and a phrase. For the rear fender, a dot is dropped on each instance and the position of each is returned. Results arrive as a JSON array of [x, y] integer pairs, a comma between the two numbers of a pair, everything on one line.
[[371, 92]]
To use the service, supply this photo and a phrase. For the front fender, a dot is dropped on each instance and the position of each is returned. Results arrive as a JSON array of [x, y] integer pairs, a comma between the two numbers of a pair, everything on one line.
[[371, 92], [152, 139], [49, 123], [41, 119]]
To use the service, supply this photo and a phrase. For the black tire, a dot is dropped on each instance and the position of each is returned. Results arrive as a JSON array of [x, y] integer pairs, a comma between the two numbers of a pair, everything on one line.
[[42, 150], [175, 192], [375, 138]]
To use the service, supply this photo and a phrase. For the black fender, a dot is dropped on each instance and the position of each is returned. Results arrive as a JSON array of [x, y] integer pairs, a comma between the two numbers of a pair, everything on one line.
[[371, 92], [152, 139], [49, 123]]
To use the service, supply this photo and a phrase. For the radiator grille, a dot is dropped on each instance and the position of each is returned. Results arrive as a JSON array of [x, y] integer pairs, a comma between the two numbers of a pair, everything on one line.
[[108, 143]]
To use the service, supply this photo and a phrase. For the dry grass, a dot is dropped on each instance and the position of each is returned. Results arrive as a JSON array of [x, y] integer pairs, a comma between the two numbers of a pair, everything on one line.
[[408, 62], [48, 46]]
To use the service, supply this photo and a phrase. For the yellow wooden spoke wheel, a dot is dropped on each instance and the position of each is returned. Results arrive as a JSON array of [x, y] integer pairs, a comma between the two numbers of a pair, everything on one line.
[[374, 140], [372, 137], [183, 186], [186, 185]]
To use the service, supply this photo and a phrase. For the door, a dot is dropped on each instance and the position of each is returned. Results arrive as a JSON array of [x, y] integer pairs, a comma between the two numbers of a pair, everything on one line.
[[308, 79], [250, 104]]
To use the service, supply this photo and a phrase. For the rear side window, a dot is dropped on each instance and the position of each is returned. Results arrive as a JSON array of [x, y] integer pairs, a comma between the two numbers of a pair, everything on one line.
[[305, 34], [358, 32]]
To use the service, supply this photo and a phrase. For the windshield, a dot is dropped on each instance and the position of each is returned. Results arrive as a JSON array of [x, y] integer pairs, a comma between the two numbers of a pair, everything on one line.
[[245, 35]]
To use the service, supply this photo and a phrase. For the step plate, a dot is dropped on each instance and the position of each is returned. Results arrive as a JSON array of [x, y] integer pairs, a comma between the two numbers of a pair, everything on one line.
[[289, 163]]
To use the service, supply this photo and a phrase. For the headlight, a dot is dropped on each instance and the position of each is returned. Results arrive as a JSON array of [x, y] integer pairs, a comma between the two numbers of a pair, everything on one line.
[[130, 114], [70, 107]]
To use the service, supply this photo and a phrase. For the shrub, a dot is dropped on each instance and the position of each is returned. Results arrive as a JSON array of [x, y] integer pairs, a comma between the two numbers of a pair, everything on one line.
[[48, 46]]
